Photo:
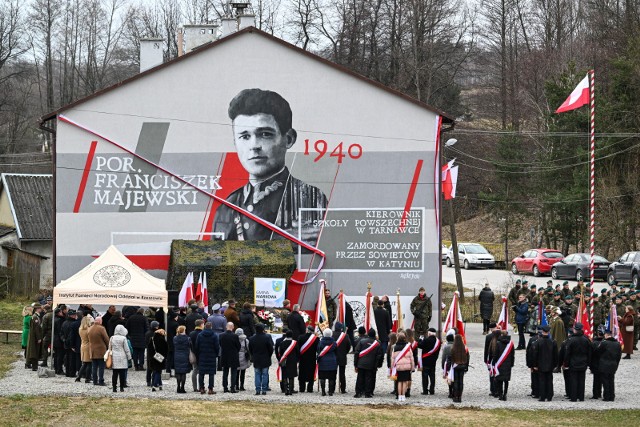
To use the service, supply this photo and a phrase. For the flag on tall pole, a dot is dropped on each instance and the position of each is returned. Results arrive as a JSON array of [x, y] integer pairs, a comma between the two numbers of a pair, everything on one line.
[[186, 293], [322, 316], [503, 319], [342, 308], [369, 320], [198, 294], [205, 293], [454, 317], [449, 180], [584, 94], [400, 324]]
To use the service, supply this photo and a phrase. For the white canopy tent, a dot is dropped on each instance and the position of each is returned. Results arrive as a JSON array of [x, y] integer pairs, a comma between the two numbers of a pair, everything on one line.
[[112, 280]]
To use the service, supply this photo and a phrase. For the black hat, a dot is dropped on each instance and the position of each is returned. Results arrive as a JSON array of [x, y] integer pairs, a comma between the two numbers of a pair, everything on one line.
[[578, 326], [433, 330], [71, 312], [568, 296], [372, 333], [565, 283], [492, 325], [546, 328]]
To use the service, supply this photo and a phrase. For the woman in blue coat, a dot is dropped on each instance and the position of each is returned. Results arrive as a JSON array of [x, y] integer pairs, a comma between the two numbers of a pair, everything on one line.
[[327, 362], [207, 350], [181, 348]]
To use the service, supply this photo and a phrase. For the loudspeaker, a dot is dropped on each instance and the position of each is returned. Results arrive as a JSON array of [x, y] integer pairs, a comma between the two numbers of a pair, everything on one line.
[[173, 298]]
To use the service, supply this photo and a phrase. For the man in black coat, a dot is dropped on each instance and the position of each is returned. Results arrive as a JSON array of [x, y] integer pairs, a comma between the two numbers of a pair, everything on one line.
[[229, 358], [261, 349], [545, 359], [577, 359], [609, 352], [344, 345], [595, 363], [173, 321], [430, 347], [137, 328], [58, 344], [307, 346], [530, 355], [486, 298], [193, 336], [383, 323], [350, 322], [295, 322], [495, 334], [190, 320], [283, 384], [367, 358]]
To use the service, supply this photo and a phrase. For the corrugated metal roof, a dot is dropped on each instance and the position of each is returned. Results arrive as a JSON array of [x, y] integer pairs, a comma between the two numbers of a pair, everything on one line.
[[31, 199]]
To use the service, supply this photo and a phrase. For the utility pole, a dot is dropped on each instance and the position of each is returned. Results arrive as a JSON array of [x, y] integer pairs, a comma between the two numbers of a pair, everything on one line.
[[452, 227]]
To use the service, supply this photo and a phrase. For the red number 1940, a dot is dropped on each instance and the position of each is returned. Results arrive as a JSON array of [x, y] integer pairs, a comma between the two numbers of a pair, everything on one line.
[[321, 148]]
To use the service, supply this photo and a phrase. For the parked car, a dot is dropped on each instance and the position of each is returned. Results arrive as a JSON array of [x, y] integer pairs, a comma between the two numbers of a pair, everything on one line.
[[625, 269], [576, 266], [536, 261], [472, 255], [443, 253]]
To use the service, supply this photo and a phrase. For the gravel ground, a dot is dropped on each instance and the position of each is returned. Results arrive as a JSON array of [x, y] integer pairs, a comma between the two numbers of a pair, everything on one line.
[[476, 388]]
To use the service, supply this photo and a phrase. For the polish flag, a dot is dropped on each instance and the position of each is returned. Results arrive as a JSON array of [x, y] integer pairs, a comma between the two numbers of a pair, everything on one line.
[[369, 320], [342, 308], [503, 320], [186, 293], [582, 316], [578, 98], [198, 295], [205, 293], [454, 317], [449, 180]]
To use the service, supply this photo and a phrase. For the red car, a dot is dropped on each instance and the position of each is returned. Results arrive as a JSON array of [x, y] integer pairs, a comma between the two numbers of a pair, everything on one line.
[[536, 261]]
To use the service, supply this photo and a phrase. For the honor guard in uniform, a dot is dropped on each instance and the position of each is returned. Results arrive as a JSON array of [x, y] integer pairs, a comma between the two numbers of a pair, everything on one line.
[[421, 309]]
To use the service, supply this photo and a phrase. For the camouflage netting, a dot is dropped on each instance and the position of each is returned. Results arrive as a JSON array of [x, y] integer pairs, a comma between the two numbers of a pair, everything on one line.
[[230, 265]]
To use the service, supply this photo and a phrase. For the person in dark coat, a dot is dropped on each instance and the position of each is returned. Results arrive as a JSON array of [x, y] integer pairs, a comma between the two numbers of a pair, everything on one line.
[[344, 346], [383, 324], [115, 320], [159, 317], [350, 323], [58, 344], [577, 359], [502, 369], [489, 339], [627, 320], [157, 344], [609, 352], [430, 346], [193, 337], [153, 327], [289, 364], [137, 327], [229, 358], [295, 322], [367, 358], [207, 349], [307, 346], [76, 343], [522, 316], [261, 349], [34, 339], [561, 365], [486, 298], [68, 340], [530, 355], [283, 383], [190, 320], [173, 321], [247, 323], [545, 359], [595, 363], [107, 316], [327, 362], [181, 349]]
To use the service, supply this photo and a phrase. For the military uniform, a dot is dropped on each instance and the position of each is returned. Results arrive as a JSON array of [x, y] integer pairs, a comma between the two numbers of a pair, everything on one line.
[[332, 309], [556, 301], [513, 295], [421, 308], [277, 201]]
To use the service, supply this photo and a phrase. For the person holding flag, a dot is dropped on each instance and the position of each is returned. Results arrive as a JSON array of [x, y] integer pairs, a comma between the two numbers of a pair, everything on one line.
[[308, 346], [330, 304], [327, 362], [343, 345], [503, 361], [429, 350], [367, 358], [454, 318]]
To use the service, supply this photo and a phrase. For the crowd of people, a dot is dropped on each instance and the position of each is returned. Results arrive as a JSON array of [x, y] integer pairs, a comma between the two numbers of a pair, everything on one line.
[[229, 340]]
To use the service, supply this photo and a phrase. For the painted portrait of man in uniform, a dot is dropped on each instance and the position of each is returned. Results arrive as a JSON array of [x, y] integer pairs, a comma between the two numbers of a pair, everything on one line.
[[262, 134]]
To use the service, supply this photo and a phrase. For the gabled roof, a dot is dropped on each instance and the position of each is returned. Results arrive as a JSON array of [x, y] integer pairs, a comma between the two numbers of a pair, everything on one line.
[[212, 45], [31, 200], [4, 230]]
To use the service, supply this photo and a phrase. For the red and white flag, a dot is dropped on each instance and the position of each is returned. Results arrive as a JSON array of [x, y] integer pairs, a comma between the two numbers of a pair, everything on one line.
[[198, 295], [503, 320], [369, 320], [205, 293], [614, 326], [449, 180], [342, 308], [186, 293], [578, 98], [582, 316], [454, 317]]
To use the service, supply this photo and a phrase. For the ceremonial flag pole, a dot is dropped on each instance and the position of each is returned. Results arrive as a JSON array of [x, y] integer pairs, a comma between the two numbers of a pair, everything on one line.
[[198, 293], [400, 321], [368, 309], [205, 293], [322, 316], [342, 308], [585, 93], [503, 320], [454, 318], [186, 293]]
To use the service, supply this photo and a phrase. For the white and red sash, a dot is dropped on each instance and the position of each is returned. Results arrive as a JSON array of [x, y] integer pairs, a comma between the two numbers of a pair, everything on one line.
[[434, 350], [368, 350], [322, 354], [340, 338], [284, 356], [507, 351], [398, 358], [308, 344]]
